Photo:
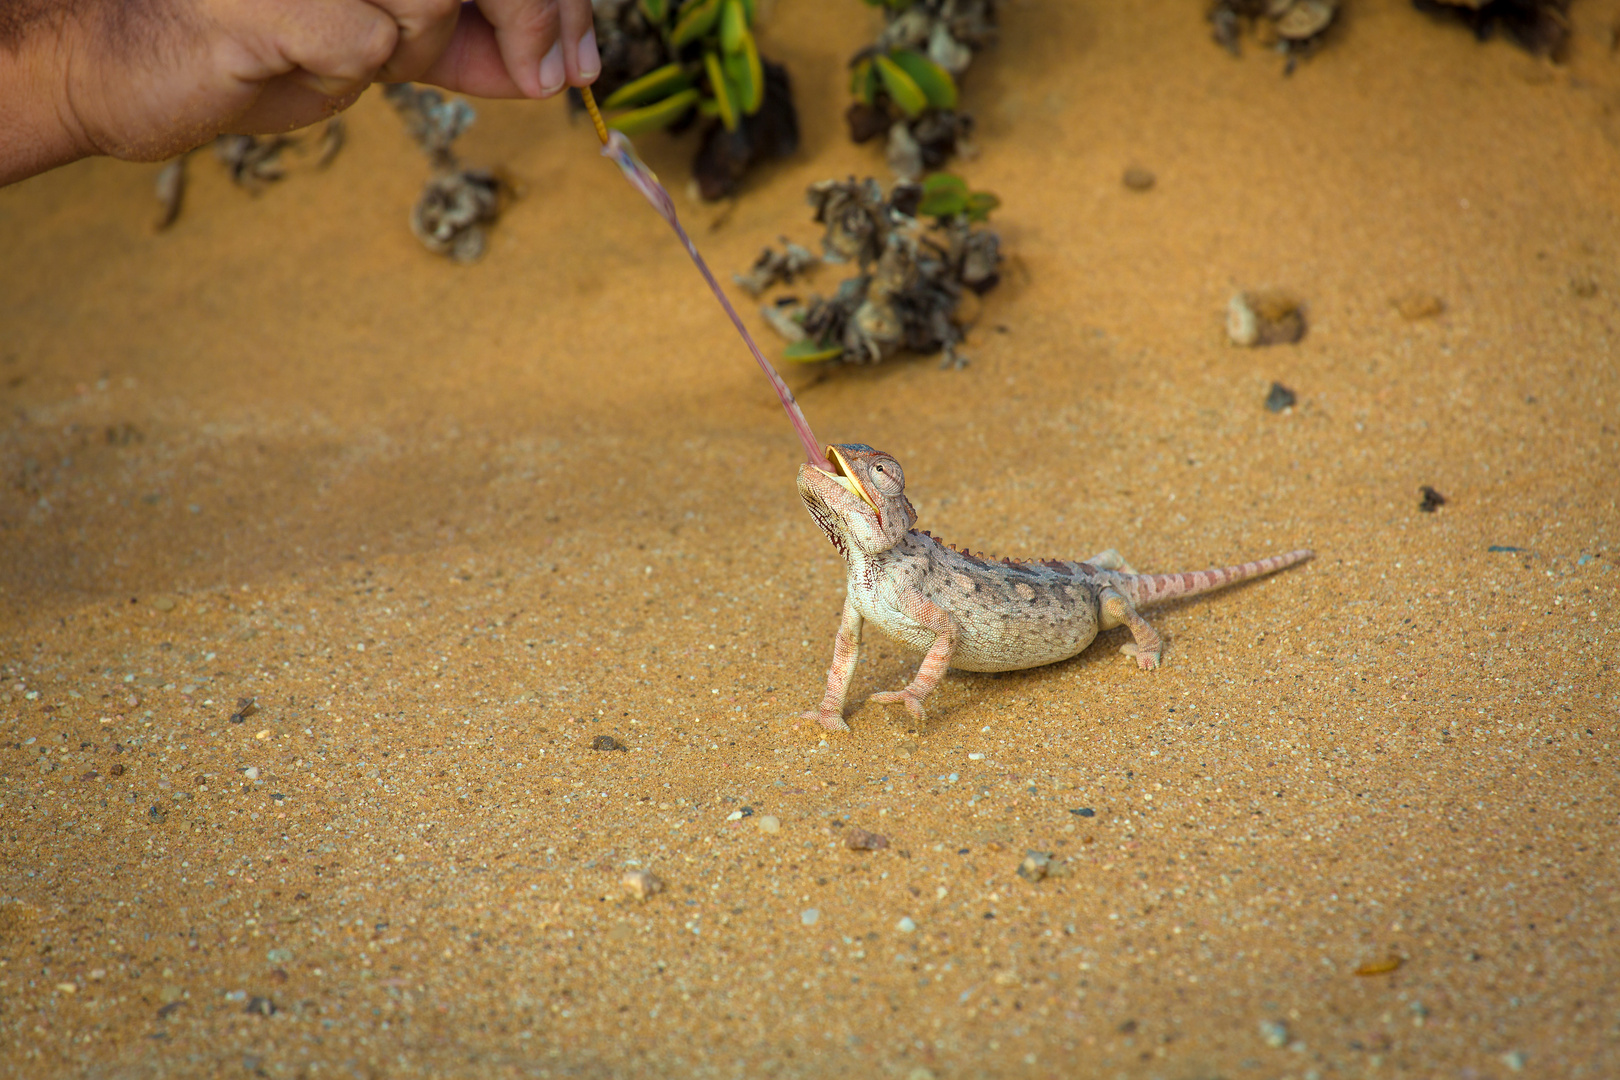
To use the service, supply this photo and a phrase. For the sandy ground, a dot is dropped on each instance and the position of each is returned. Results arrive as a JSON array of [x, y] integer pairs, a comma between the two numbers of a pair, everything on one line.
[[447, 525]]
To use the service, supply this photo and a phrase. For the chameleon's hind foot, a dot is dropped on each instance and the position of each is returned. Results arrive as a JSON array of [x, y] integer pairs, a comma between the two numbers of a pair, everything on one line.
[[912, 702], [1117, 611], [1148, 660], [832, 721]]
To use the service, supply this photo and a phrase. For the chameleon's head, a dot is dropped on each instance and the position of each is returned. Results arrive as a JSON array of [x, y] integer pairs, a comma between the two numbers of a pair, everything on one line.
[[861, 504]]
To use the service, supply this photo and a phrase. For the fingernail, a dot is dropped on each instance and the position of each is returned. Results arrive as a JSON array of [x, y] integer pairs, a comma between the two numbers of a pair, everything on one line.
[[589, 60], [552, 72]]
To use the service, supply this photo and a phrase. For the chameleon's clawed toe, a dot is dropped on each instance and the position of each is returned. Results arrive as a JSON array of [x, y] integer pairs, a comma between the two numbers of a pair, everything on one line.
[[830, 721], [911, 701], [1148, 659]]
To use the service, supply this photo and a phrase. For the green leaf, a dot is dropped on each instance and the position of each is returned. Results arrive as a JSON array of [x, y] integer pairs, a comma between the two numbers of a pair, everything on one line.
[[664, 113], [747, 75], [750, 11], [979, 205], [696, 20], [653, 86], [863, 81], [944, 195], [733, 25], [902, 88], [656, 11], [723, 94], [809, 352], [934, 81]]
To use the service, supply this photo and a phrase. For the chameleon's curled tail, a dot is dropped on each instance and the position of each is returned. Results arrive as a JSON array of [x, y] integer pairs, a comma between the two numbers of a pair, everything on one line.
[[1156, 588]]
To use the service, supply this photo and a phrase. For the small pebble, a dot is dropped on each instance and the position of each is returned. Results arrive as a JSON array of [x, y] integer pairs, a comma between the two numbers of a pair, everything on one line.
[[164, 603], [1035, 866], [1264, 318], [809, 916], [1275, 1033], [1139, 179], [171, 993], [1432, 499], [1280, 398], [116, 770], [279, 956], [905, 925], [769, 823], [1419, 305], [861, 840], [1514, 1060], [641, 883], [1083, 811], [251, 772], [260, 1006], [735, 815], [67, 988], [975, 757], [607, 742]]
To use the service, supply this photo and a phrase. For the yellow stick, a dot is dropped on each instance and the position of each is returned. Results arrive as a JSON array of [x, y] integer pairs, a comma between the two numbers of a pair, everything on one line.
[[596, 117]]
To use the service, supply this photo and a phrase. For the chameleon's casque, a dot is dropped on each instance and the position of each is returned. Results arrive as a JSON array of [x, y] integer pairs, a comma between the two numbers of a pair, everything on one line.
[[964, 610]]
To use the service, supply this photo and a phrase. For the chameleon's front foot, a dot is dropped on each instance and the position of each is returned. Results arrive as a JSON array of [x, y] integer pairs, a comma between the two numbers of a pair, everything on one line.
[[907, 697], [832, 720]]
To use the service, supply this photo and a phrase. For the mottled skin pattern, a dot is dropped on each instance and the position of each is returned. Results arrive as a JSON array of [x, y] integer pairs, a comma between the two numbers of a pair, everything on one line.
[[961, 609]]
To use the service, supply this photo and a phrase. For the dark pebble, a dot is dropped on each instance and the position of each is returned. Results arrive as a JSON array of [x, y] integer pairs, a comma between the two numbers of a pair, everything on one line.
[[168, 1010], [1504, 547], [157, 813], [116, 770], [260, 1006], [1139, 179], [607, 742], [860, 840], [1084, 811], [1432, 499], [1280, 397]]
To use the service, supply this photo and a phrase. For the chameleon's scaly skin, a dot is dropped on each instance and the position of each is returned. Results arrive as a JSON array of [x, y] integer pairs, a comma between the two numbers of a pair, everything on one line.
[[961, 609]]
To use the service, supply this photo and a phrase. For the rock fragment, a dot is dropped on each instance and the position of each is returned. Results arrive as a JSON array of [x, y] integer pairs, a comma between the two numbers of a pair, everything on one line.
[[641, 883]]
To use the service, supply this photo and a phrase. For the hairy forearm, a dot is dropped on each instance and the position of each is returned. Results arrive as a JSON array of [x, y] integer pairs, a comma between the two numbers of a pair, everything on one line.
[[37, 131]]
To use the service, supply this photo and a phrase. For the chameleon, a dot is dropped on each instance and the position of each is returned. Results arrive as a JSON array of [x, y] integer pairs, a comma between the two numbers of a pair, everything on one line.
[[964, 610]]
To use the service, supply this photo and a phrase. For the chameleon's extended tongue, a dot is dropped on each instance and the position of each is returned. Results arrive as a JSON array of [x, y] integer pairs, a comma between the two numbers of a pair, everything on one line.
[[617, 147]]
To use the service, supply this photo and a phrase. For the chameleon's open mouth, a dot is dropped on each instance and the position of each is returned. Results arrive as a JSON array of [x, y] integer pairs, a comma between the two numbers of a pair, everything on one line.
[[845, 478]]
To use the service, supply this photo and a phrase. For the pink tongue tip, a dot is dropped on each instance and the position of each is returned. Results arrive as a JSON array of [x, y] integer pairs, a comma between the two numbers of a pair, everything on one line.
[[642, 179]]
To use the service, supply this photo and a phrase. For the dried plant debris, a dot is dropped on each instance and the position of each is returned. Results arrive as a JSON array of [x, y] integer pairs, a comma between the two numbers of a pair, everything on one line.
[[1431, 499], [905, 84], [1264, 318], [911, 277], [456, 202], [1294, 28], [773, 267], [667, 63], [170, 189], [253, 162], [1541, 26], [333, 135]]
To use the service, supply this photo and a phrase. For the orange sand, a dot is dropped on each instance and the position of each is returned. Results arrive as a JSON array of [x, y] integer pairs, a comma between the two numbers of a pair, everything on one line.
[[448, 524]]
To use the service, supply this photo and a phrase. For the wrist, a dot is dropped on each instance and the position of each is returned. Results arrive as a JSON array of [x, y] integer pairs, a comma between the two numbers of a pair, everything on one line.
[[37, 129]]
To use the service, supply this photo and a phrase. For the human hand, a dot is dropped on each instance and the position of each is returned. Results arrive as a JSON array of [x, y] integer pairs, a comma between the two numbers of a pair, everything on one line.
[[147, 81]]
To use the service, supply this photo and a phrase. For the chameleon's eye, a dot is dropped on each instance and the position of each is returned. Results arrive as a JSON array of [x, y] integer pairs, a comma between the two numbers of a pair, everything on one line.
[[887, 476]]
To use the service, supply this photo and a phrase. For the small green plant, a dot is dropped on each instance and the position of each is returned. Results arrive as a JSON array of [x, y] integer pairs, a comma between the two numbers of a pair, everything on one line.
[[906, 77], [946, 196], [717, 69]]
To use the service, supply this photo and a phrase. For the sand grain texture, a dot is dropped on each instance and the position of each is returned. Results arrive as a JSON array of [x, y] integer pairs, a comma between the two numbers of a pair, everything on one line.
[[447, 525]]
